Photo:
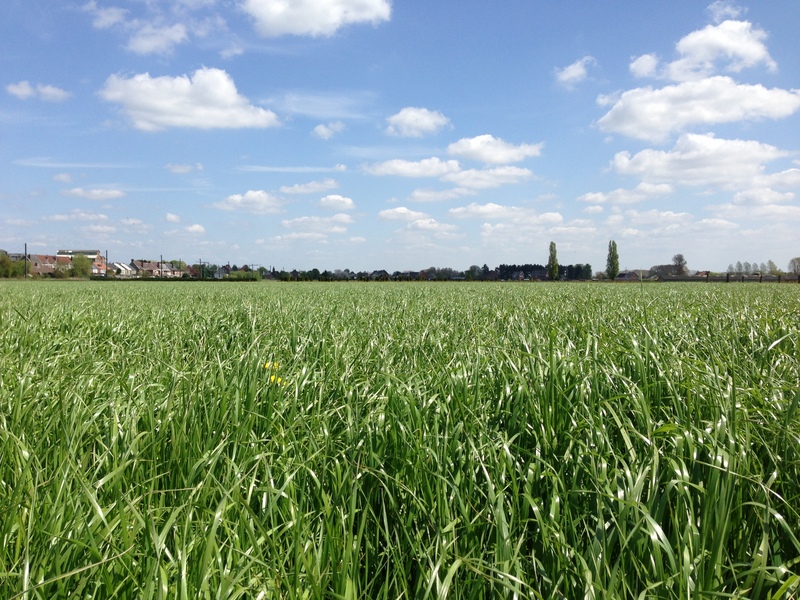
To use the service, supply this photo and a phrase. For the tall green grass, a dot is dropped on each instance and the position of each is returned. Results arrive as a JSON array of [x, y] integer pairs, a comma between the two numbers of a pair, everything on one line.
[[441, 441]]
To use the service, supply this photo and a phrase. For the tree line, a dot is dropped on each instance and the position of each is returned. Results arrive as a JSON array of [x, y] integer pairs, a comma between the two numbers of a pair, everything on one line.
[[747, 268], [552, 270]]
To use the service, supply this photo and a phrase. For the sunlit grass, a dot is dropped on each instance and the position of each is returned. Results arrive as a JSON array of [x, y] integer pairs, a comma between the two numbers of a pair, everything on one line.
[[399, 441]]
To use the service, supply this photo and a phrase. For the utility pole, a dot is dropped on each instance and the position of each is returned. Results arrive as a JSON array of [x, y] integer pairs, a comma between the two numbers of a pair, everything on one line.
[[26, 260]]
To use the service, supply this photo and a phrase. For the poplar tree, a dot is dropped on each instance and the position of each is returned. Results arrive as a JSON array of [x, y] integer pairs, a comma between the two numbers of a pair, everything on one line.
[[612, 262], [552, 263]]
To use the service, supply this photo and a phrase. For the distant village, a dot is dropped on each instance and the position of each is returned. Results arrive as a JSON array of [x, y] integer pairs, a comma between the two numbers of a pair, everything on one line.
[[83, 263], [94, 264]]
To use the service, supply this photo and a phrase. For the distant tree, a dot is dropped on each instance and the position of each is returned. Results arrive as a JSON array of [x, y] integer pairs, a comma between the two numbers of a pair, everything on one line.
[[485, 270], [794, 266], [739, 267], [552, 263], [535, 271], [612, 262], [11, 268], [5, 265], [81, 266], [679, 262], [747, 268], [731, 269], [772, 268], [587, 272], [599, 275], [178, 264], [474, 273], [662, 270], [242, 275], [763, 268], [570, 274]]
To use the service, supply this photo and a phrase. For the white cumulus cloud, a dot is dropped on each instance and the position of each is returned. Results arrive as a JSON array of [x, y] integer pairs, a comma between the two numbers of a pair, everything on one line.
[[701, 160], [429, 167], [492, 150], [206, 100], [77, 215], [337, 202], [326, 132], [762, 197], [253, 201], [488, 178], [401, 213], [312, 187], [313, 17], [644, 66], [105, 18], [490, 211], [196, 228], [653, 114], [22, 90], [431, 225], [319, 225], [514, 217], [95, 194], [429, 195], [641, 192], [721, 10], [573, 74], [151, 39], [49, 93], [416, 122], [732, 45]]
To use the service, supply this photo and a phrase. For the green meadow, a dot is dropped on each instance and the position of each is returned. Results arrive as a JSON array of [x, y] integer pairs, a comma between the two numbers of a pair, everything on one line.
[[303, 441]]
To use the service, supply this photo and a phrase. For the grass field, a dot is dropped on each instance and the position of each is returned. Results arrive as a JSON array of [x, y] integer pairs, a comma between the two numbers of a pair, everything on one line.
[[399, 440]]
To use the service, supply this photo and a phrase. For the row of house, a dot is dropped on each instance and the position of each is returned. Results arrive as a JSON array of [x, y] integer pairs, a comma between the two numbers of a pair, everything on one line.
[[51, 264], [146, 268]]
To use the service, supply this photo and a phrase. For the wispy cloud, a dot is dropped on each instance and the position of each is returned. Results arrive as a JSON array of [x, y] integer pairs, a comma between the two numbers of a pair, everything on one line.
[[312, 187], [571, 75], [48, 163], [288, 169], [49, 93], [98, 194]]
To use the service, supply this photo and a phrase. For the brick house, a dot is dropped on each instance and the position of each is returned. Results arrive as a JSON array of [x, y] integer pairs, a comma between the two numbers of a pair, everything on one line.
[[98, 260]]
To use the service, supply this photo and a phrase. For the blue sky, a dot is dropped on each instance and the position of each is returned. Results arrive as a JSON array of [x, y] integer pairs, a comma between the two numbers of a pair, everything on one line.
[[369, 134]]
